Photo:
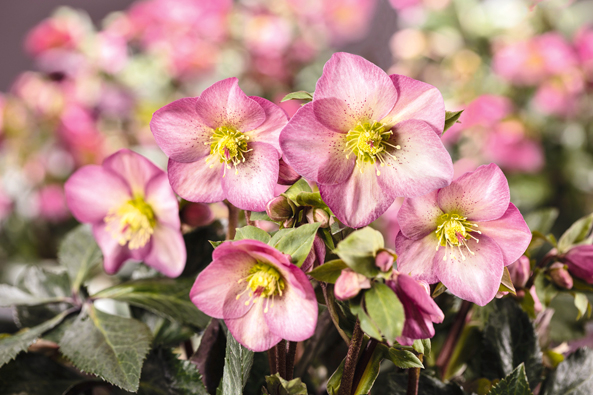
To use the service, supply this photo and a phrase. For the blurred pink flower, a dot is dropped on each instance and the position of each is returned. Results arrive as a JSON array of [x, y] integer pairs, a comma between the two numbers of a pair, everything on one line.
[[64, 30], [6, 205], [51, 202], [560, 95], [584, 46], [403, 4], [508, 146], [79, 133], [520, 270]]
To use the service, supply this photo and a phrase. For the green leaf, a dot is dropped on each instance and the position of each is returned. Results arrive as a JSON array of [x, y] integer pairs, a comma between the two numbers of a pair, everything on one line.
[[366, 324], [578, 233], [514, 384], [427, 346], [385, 310], [10, 296], [581, 303], [370, 373], [528, 305], [404, 359], [418, 346], [12, 345], [238, 362], [438, 290], [297, 242], [278, 386], [333, 384], [509, 340], [299, 95], [506, 284], [329, 271], [466, 347], [163, 296], [312, 199], [573, 376], [257, 216], [295, 189], [215, 243], [80, 254], [108, 346], [252, 233], [358, 251], [451, 117]]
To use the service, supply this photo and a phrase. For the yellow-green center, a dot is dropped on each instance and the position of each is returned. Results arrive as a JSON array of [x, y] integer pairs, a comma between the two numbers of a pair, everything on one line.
[[132, 223], [369, 141], [229, 145], [263, 281], [453, 230]]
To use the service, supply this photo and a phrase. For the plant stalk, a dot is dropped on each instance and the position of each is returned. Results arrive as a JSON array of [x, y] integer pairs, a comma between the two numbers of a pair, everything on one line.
[[331, 306], [413, 379], [233, 220], [453, 337], [351, 360], [290, 356], [272, 360], [281, 358], [365, 358], [248, 218]]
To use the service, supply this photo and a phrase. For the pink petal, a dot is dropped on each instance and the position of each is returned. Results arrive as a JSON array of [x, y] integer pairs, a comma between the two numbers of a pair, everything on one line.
[[93, 190], [180, 132], [225, 104], [315, 152], [163, 201], [269, 131], [252, 246], [132, 167], [418, 216], [416, 257], [482, 195], [417, 100], [475, 279], [421, 165], [114, 254], [510, 232], [251, 185], [168, 251], [352, 89], [252, 330], [196, 181]]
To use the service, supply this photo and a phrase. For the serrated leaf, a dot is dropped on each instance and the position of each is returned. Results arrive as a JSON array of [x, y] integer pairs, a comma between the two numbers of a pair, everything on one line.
[[358, 251], [296, 242], [514, 384], [506, 284], [404, 359], [238, 362], [296, 188], [43, 283], [12, 345], [385, 310], [299, 95], [576, 234], [276, 385], [108, 346], [163, 296], [80, 254], [11, 296], [451, 117], [573, 376], [329, 271], [252, 233]]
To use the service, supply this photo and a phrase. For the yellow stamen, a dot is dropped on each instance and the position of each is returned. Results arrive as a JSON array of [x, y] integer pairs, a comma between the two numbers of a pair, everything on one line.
[[263, 281], [453, 230], [229, 145], [132, 223], [369, 142]]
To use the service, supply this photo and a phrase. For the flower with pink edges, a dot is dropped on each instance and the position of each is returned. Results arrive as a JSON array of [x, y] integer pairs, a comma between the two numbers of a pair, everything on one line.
[[262, 297], [133, 212], [349, 284], [579, 260], [367, 138], [583, 42], [508, 146], [222, 145], [463, 235]]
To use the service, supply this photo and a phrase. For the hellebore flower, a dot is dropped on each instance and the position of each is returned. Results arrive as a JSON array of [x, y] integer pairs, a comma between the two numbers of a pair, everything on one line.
[[133, 212], [367, 138], [579, 260], [349, 284], [560, 275], [520, 270], [419, 308], [260, 294], [463, 235], [222, 145]]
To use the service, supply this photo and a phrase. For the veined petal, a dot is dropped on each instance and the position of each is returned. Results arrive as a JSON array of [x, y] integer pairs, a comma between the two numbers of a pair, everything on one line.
[[163, 201], [251, 246], [180, 132], [168, 251], [314, 151], [417, 100], [352, 89], [197, 181], [482, 195], [225, 104], [114, 254], [132, 167], [269, 131], [475, 278], [251, 185], [416, 257], [252, 330], [417, 217], [510, 232]]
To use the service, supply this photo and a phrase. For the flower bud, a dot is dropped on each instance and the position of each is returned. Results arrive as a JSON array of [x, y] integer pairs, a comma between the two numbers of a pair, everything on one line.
[[384, 260], [286, 174], [289, 223], [280, 208], [579, 260], [560, 275], [520, 271], [349, 284], [318, 215], [197, 214]]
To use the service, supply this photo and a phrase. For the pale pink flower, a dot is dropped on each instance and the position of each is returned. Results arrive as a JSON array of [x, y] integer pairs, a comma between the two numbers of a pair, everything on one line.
[[349, 284], [133, 211], [579, 260], [560, 95], [222, 145], [51, 203], [262, 297], [520, 270], [384, 260], [463, 235], [368, 138], [64, 30], [584, 47]]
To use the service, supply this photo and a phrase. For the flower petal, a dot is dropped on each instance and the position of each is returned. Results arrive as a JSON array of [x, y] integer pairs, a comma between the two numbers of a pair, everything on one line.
[[168, 251], [417, 100], [197, 181], [315, 152], [114, 254], [251, 185], [93, 190], [225, 104], [163, 201], [352, 89], [510, 232], [132, 167], [482, 195], [180, 132], [252, 330], [252, 246], [269, 131], [416, 257], [418, 216], [475, 279]]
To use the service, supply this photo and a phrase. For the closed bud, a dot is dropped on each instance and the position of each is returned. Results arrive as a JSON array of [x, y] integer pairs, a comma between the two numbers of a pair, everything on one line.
[[520, 271], [289, 223], [560, 275], [579, 260], [197, 214], [286, 174], [318, 215], [280, 208], [384, 260], [349, 284]]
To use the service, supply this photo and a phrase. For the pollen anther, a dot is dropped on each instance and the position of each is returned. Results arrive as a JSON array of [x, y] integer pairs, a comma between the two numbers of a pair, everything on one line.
[[369, 142]]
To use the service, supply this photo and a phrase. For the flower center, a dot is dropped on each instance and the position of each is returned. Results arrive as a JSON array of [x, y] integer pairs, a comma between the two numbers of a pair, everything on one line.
[[369, 142], [132, 223], [229, 145], [453, 230], [263, 281]]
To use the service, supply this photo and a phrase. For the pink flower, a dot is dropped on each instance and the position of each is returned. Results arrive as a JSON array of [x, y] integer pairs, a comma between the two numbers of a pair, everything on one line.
[[222, 145], [133, 211], [560, 95], [579, 260], [368, 138], [52, 203], [520, 270], [419, 308], [260, 294], [463, 235], [584, 47], [349, 284]]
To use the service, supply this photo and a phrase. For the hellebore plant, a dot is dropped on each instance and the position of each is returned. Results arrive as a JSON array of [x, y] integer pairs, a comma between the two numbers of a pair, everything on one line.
[[463, 235], [222, 145], [133, 212], [367, 138]]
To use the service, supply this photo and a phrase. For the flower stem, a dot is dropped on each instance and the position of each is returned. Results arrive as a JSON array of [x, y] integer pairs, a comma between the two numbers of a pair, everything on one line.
[[413, 379], [351, 359], [281, 358], [248, 218], [290, 356], [453, 336], [364, 361], [233, 220], [331, 306], [272, 360]]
